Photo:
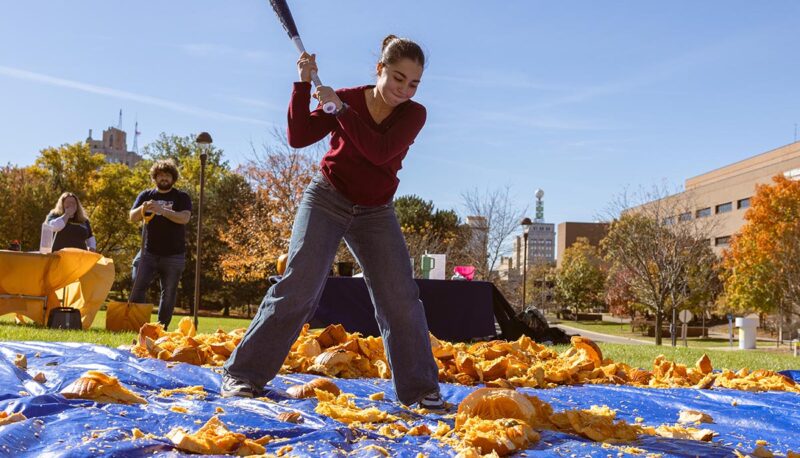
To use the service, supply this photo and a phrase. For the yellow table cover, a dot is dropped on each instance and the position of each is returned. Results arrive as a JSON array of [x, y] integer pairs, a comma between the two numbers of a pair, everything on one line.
[[86, 276]]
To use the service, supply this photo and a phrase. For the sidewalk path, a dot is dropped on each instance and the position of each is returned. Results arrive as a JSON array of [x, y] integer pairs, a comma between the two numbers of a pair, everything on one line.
[[598, 337]]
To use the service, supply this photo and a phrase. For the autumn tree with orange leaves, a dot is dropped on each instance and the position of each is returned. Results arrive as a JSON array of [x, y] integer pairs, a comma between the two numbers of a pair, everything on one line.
[[261, 229], [762, 267]]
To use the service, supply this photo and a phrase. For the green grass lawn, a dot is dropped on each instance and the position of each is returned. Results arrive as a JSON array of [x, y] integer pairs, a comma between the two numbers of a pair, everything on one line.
[[643, 355], [764, 357], [97, 334], [624, 330]]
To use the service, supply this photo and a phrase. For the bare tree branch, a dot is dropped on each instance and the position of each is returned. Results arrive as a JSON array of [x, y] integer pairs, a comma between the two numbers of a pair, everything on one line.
[[501, 219]]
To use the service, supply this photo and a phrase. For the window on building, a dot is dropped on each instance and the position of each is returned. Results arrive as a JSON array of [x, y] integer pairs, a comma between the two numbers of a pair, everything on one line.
[[793, 174], [741, 204], [722, 241], [703, 212], [668, 221], [724, 208], [685, 216]]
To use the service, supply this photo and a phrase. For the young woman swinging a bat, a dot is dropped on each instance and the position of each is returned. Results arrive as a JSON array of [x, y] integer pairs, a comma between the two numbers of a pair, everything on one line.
[[351, 199]]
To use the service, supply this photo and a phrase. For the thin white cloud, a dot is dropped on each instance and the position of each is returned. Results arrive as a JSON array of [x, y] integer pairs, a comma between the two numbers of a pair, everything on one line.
[[255, 103], [538, 122], [517, 81], [124, 95], [658, 72], [209, 49], [635, 80]]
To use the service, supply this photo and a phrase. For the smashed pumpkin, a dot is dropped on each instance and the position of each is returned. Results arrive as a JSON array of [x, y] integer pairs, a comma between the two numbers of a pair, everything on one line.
[[214, 438], [99, 387]]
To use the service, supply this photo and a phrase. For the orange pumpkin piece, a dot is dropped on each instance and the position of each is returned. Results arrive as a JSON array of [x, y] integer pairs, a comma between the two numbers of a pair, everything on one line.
[[307, 390], [6, 419], [21, 361], [100, 387], [597, 423], [332, 362], [642, 377], [332, 335], [214, 438], [189, 355], [495, 403], [502, 436], [290, 417], [704, 364], [281, 264], [151, 330], [590, 349]]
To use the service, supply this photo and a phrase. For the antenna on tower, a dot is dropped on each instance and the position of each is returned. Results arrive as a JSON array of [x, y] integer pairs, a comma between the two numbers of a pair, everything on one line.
[[539, 206], [136, 134], [119, 124]]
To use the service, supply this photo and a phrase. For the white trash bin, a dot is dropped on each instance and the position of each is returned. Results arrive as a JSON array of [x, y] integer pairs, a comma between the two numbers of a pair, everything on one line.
[[747, 332]]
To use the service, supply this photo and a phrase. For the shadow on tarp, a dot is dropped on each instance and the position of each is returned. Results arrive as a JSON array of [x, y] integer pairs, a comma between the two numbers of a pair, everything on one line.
[[77, 428]]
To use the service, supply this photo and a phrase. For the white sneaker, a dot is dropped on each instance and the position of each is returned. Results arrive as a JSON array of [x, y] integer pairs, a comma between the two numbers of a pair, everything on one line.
[[432, 401]]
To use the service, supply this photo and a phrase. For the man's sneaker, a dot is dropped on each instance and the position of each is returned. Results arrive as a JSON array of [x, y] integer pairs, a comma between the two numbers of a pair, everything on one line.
[[432, 401], [236, 387]]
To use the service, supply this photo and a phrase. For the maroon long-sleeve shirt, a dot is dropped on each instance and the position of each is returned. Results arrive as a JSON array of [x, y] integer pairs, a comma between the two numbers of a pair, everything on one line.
[[364, 157]]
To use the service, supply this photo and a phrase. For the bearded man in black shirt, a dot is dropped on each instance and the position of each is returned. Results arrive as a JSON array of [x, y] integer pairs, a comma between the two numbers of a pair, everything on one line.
[[164, 244]]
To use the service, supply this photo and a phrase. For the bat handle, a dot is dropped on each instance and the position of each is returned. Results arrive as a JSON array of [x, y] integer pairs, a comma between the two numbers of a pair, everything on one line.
[[298, 43], [329, 107]]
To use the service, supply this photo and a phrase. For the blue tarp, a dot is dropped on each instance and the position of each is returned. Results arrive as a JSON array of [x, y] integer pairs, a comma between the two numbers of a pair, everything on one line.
[[77, 428]]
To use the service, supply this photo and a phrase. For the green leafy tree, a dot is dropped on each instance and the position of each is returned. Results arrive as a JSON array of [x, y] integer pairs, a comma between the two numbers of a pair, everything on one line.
[[427, 229], [580, 281], [109, 197], [27, 198], [223, 193], [662, 262], [71, 167]]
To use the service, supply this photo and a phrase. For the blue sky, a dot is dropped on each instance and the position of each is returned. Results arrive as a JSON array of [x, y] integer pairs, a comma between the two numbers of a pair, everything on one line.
[[580, 98]]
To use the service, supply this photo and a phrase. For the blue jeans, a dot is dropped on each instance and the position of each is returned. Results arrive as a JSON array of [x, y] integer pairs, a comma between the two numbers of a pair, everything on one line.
[[373, 235], [169, 269]]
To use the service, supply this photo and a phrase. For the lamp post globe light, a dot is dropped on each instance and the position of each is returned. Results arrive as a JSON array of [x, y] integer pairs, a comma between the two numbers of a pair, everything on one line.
[[526, 226], [204, 142]]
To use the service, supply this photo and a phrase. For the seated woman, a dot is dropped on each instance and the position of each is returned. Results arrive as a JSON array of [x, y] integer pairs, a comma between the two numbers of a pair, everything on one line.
[[70, 224]]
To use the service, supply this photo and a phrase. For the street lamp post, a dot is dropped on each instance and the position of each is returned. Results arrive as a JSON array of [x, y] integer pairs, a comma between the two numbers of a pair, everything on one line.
[[204, 142], [526, 226]]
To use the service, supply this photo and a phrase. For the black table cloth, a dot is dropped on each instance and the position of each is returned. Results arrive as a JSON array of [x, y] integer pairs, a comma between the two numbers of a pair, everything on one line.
[[455, 310]]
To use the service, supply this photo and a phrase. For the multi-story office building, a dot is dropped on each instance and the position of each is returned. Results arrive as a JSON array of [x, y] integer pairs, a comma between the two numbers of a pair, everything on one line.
[[569, 232], [541, 239], [541, 245], [724, 194]]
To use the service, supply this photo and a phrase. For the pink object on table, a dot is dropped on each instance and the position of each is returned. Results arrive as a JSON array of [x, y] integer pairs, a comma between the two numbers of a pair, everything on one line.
[[467, 272]]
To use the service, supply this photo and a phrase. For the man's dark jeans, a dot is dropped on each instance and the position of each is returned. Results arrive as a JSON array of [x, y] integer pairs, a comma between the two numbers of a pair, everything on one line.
[[169, 269]]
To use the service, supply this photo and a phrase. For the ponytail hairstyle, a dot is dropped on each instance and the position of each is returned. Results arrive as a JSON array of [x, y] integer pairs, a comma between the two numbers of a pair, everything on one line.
[[395, 48]]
